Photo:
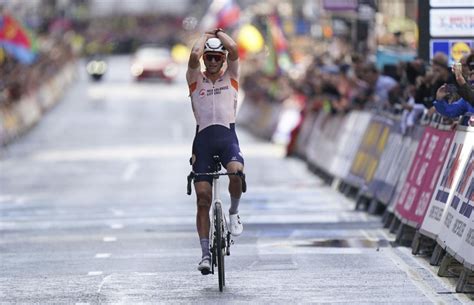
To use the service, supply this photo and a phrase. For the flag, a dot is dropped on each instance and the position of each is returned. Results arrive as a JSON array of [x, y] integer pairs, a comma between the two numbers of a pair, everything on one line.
[[278, 57], [16, 40], [221, 14], [229, 15]]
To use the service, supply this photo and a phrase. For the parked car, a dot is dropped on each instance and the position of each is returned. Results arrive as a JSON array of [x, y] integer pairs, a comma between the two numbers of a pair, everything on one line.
[[153, 62]]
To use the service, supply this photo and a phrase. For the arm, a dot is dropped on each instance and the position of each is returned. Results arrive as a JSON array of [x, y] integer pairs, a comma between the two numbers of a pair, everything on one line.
[[229, 44], [232, 57], [451, 110], [466, 93], [195, 56]]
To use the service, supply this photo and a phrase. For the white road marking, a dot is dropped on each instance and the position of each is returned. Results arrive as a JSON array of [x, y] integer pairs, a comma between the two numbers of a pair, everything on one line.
[[103, 255], [109, 239], [116, 226], [414, 276], [117, 212], [149, 152], [95, 273], [6, 198], [130, 171], [368, 236]]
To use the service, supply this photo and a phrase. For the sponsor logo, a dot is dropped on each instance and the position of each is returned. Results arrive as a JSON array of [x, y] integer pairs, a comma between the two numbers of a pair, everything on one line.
[[202, 93]]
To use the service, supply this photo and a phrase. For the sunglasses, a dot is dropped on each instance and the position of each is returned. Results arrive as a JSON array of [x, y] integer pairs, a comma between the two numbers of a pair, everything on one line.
[[216, 57]]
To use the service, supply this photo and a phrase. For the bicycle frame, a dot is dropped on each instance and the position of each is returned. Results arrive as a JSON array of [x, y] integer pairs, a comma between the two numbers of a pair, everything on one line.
[[219, 240], [216, 199]]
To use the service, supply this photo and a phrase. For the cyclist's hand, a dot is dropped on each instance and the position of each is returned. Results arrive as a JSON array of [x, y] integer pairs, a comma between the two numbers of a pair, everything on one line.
[[210, 34]]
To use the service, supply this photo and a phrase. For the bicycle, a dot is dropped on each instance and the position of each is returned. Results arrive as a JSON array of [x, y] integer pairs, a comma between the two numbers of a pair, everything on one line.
[[219, 235]]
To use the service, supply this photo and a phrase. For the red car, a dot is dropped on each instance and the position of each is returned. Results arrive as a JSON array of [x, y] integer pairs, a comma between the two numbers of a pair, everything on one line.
[[151, 62]]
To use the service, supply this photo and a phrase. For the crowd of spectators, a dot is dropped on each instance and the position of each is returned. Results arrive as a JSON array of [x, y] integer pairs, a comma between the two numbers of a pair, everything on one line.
[[21, 79], [352, 82], [61, 41]]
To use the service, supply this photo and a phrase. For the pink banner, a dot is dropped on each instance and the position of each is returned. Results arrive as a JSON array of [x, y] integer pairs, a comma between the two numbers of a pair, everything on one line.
[[425, 169]]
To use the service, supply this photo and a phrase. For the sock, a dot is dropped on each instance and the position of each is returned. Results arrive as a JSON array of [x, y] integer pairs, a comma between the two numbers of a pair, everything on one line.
[[234, 205], [205, 247]]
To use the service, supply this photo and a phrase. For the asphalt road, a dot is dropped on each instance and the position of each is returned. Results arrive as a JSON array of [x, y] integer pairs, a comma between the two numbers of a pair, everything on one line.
[[93, 210]]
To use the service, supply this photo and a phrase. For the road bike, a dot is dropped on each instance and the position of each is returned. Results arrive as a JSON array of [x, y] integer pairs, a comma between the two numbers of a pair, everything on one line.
[[219, 235]]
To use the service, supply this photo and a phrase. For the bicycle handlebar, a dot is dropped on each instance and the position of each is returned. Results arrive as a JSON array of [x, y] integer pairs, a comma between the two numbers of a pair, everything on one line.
[[192, 175]]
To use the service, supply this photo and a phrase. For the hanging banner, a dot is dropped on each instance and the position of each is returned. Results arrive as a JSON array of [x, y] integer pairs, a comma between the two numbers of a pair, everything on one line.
[[444, 191], [369, 152], [414, 136], [423, 175], [459, 218]]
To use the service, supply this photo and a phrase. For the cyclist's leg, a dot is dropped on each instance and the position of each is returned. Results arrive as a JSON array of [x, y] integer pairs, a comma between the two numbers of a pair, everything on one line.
[[233, 162], [204, 197], [201, 160], [235, 182]]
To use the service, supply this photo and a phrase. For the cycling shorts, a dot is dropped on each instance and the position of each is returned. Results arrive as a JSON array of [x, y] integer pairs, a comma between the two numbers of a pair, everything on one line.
[[211, 141]]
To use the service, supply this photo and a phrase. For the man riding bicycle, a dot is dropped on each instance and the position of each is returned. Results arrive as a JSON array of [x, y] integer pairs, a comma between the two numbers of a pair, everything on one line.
[[214, 95]]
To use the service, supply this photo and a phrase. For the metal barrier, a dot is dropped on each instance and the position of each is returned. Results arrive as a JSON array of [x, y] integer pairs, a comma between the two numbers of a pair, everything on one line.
[[423, 177]]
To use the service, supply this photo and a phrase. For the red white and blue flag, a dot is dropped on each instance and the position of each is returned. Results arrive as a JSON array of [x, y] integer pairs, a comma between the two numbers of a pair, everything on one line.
[[16, 40], [221, 14]]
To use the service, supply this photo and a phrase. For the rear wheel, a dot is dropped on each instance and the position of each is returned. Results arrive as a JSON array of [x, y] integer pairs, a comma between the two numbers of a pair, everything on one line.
[[219, 245]]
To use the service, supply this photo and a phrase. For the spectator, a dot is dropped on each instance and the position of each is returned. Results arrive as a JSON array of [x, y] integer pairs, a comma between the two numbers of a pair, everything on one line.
[[438, 75], [459, 107], [465, 90], [381, 85]]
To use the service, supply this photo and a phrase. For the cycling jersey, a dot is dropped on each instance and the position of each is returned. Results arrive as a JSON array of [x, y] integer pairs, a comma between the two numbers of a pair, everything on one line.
[[214, 107], [214, 103]]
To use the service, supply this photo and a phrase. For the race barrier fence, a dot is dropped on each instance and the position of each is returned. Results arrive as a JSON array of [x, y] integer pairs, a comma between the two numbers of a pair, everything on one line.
[[26, 112], [421, 176]]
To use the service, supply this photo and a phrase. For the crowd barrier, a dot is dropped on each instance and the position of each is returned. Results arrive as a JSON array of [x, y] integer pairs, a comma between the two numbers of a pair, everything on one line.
[[17, 118], [421, 177]]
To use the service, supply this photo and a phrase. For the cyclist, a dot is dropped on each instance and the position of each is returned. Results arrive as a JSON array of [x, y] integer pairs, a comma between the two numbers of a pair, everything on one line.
[[214, 102]]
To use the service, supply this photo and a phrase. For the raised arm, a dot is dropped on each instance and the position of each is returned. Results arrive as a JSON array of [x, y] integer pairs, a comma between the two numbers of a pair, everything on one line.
[[197, 51], [229, 44]]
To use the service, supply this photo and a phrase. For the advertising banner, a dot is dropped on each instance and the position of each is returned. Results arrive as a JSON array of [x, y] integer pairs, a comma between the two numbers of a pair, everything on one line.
[[451, 22], [385, 179], [455, 49], [369, 152], [414, 136], [328, 141], [459, 212], [424, 172], [312, 149], [305, 132], [354, 129], [451, 173]]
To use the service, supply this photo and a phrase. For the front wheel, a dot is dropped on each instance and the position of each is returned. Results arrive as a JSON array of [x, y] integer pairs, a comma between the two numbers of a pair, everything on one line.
[[219, 245]]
